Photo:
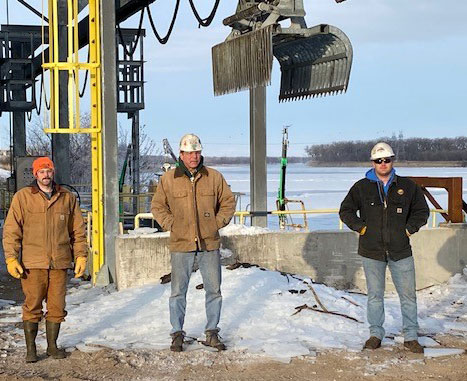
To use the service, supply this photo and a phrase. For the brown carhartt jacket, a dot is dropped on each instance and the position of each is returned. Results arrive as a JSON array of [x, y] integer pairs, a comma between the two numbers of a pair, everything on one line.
[[193, 211], [47, 233]]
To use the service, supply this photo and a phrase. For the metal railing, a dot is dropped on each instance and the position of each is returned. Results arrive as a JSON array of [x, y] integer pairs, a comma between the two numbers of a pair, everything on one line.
[[245, 213]]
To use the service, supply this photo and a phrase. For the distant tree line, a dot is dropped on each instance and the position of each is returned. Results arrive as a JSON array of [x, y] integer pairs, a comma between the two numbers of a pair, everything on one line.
[[413, 149], [234, 160]]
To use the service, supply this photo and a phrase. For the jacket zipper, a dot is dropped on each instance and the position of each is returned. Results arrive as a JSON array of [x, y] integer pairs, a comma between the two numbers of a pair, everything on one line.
[[195, 212], [385, 221]]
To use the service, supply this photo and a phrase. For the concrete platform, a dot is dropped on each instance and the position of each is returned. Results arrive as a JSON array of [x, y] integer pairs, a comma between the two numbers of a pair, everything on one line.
[[329, 257]]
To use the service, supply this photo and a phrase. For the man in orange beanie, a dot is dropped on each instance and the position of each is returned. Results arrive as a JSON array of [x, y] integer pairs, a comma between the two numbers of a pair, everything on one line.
[[43, 233]]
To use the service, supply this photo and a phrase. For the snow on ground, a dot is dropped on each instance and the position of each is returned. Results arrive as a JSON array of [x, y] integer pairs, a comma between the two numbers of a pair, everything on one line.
[[257, 317]]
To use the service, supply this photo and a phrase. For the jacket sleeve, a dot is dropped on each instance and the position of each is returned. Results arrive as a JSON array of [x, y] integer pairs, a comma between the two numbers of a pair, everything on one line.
[[160, 207], [78, 241], [348, 210], [419, 211], [13, 230], [226, 204]]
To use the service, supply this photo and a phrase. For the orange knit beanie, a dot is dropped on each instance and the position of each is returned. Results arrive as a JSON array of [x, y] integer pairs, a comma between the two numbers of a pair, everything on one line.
[[42, 163]]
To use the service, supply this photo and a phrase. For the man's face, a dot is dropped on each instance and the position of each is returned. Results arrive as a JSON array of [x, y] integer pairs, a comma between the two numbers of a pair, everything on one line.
[[191, 159], [383, 166], [45, 176]]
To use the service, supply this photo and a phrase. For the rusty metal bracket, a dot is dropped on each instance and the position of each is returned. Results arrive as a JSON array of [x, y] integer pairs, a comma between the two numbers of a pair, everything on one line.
[[453, 186]]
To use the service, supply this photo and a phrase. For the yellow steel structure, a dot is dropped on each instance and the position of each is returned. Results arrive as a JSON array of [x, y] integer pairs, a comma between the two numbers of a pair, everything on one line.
[[73, 66]]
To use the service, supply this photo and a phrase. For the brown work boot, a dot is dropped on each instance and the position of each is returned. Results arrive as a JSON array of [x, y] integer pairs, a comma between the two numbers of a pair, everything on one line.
[[177, 341], [52, 330], [372, 343], [30, 333], [413, 346], [212, 340]]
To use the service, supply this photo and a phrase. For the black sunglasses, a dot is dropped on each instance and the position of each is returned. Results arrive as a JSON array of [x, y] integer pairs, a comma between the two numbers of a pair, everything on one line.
[[386, 160]]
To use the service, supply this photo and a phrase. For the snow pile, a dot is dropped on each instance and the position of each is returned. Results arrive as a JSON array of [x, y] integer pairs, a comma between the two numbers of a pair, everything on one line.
[[231, 229], [4, 173], [259, 316], [237, 229]]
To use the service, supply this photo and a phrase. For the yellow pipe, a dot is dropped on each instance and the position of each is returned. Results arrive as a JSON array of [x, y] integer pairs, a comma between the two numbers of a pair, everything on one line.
[[71, 119]]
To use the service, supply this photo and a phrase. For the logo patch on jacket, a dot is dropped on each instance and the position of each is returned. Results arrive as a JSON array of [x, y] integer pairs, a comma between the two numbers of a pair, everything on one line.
[[207, 214], [399, 210], [400, 192], [62, 217]]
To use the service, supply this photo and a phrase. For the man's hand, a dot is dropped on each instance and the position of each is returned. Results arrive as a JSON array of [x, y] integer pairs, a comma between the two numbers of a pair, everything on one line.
[[14, 268], [407, 232], [362, 230], [80, 266]]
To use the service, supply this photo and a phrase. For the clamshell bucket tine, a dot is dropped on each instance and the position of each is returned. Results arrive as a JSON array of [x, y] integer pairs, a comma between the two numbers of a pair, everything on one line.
[[315, 63], [243, 62]]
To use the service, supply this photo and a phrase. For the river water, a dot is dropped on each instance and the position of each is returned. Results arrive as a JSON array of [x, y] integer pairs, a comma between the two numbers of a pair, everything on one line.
[[323, 188]]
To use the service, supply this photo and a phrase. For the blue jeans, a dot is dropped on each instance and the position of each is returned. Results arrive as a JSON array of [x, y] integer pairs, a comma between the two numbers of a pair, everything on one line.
[[403, 277], [209, 263]]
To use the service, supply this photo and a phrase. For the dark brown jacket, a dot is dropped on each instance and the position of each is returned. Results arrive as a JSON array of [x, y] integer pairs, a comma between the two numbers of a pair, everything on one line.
[[48, 233], [387, 217], [193, 211]]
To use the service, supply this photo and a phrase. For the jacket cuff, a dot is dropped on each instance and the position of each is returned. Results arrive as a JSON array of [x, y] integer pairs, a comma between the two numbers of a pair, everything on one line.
[[411, 229]]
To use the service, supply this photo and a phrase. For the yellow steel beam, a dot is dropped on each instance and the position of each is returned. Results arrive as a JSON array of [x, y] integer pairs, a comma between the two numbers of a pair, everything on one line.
[[72, 66]]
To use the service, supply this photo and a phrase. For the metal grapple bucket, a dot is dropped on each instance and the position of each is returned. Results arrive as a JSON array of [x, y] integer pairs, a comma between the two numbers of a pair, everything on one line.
[[318, 64], [314, 61]]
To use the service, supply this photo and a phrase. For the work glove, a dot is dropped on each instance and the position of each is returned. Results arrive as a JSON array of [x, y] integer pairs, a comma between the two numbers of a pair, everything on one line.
[[14, 268], [80, 266], [362, 230]]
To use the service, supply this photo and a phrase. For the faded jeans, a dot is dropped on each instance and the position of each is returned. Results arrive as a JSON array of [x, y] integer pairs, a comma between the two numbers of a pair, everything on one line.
[[209, 264], [403, 277]]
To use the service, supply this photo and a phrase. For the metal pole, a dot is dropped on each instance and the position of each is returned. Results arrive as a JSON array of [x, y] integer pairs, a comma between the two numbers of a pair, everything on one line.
[[135, 159], [109, 134], [258, 175], [61, 142], [19, 117]]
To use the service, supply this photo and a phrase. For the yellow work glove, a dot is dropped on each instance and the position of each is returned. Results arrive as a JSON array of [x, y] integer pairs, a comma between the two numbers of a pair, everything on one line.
[[80, 266], [362, 230], [14, 268]]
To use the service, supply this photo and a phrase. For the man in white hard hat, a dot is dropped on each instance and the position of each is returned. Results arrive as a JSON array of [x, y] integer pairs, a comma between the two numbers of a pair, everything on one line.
[[386, 210], [193, 202]]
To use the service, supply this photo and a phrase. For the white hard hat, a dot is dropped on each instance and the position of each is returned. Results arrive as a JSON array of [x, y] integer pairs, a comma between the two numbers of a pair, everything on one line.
[[190, 143], [381, 150]]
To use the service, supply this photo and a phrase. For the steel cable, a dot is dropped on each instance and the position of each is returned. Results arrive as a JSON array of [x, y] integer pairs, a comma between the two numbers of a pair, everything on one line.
[[138, 35], [163, 40], [208, 20]]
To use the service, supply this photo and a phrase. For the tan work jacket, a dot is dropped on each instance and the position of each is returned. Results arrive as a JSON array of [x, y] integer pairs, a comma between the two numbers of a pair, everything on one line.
[[47, 233], [193, 211]]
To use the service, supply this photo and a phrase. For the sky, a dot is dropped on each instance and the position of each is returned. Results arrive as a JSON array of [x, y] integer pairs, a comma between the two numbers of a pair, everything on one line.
[[408, 75]]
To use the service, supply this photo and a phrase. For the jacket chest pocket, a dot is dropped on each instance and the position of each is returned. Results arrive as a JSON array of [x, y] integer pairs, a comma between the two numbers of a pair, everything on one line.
[[61, 217], [372, 202], [61, 220], [371, 208], [180, 203], [398, 205], [36, 215]]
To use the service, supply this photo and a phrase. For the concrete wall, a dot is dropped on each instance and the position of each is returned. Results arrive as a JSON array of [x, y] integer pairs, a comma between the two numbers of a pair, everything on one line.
[[328, 256]]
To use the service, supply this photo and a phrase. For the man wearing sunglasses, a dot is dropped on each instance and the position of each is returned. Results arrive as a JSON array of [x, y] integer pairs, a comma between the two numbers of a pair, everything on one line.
[[386, 209]]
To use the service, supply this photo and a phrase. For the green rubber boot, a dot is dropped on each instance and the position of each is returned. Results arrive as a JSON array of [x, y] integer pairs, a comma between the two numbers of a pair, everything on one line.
[[30, 333], [52, 330]]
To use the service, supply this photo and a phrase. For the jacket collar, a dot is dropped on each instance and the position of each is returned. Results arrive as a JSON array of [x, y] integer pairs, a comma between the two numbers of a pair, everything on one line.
[[181, 169], [371, 175], [35, 188]]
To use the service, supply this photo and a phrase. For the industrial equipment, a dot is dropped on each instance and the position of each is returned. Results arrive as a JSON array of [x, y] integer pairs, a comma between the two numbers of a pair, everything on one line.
[[168, 152], [314, 61], [282, 201]]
